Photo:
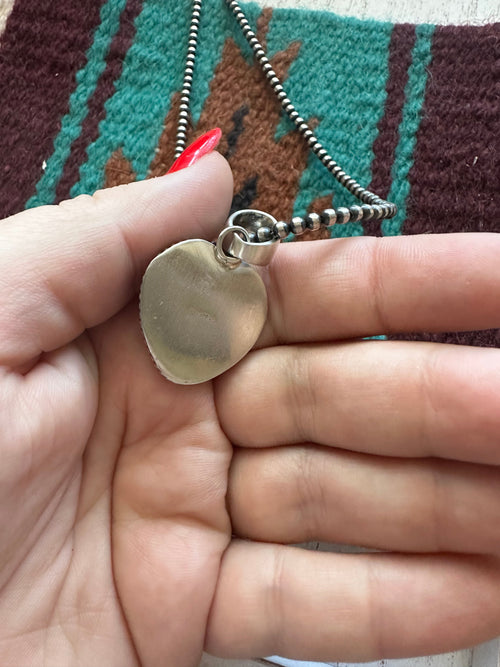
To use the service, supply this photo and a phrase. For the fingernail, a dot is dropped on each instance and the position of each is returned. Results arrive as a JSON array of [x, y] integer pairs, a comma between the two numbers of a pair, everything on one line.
[[203, 145]]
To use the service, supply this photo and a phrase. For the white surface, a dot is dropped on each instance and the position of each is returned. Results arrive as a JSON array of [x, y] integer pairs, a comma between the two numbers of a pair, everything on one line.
[[462, 659], [413, 11], [458, 659], [487, 655]]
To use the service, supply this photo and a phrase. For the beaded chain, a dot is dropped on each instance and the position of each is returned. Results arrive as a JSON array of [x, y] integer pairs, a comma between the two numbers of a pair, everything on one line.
[[373, 207]]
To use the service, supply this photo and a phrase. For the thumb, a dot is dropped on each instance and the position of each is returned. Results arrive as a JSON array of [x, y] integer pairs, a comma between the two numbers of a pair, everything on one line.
[[69, 267]]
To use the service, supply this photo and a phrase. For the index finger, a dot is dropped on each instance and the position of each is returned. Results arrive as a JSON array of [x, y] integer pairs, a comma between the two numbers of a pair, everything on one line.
[[355, 287]]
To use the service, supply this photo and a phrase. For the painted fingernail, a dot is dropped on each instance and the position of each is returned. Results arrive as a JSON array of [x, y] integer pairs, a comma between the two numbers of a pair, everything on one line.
[[203, 145]]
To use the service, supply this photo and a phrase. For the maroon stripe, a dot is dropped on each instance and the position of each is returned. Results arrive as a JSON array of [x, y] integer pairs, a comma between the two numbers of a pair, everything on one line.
[[486, 338], [105, 88], [42, 48], [384, 146], [455, 178]]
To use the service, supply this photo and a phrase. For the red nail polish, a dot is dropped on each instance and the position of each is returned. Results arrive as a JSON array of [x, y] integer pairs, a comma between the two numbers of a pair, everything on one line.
[[200, 147]]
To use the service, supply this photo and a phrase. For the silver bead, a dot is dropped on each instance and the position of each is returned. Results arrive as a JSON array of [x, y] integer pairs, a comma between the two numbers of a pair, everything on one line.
[[343, 215], [328, 217], [282, 229], [298, 225], [264, 234], [367, 212], [356, 213], [377, 211], [313, 221]]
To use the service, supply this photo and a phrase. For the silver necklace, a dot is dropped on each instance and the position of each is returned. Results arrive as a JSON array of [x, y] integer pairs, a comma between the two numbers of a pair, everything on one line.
[[202, 305]]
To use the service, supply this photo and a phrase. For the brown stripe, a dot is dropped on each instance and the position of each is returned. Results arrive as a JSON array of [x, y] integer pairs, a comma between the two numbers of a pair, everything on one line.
[[455, 177], [105, 88], [384, 147], [118, 170], [42, 48]]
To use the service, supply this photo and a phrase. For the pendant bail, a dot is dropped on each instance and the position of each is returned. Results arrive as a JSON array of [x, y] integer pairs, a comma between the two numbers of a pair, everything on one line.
[[262, 244]]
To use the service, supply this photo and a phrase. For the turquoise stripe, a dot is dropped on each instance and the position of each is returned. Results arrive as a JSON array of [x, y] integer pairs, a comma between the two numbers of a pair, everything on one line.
[[152, 70], [340, 79], [86, 82], [410, 122]]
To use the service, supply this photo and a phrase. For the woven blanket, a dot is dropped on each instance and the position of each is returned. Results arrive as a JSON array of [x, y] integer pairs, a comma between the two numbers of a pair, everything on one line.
[[89, 94]]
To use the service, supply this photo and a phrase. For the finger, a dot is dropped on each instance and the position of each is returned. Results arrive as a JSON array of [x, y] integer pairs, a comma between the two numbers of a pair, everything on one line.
[[352, 608], [346, 288], [69, 267], [305, 493], [390, 398]]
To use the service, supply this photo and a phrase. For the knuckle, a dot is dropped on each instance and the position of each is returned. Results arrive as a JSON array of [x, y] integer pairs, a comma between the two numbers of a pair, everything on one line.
[[276, 599], [376, 270], [301, 394], [309, 494]]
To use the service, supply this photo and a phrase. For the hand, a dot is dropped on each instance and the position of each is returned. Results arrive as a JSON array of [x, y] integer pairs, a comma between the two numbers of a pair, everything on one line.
[[120, 492]]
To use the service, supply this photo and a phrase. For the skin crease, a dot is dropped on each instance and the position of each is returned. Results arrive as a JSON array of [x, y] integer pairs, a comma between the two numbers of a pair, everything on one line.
[[134, 533]]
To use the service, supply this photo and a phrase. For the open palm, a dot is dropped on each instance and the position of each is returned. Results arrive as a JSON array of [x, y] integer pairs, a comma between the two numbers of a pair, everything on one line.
[[113, 516], [121, 492]]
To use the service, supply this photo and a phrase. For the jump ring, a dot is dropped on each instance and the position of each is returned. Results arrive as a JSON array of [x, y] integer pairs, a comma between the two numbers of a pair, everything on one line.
[[220, 254]]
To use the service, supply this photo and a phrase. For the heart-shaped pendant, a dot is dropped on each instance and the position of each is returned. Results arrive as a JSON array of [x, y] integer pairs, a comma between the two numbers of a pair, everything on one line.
[[199, 315]]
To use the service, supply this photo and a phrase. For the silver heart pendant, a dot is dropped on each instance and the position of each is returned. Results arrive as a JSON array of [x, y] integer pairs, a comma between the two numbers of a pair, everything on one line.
[[199, 315]]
